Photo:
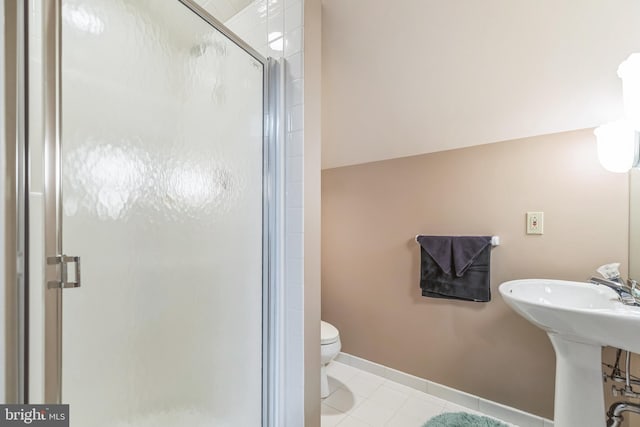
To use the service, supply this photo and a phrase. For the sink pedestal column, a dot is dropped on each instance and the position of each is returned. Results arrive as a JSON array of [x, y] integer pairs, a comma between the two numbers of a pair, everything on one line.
[[579, 399]]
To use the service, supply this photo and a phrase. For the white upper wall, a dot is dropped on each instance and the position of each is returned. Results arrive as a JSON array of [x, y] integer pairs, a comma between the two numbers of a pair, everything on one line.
[[408, 77]]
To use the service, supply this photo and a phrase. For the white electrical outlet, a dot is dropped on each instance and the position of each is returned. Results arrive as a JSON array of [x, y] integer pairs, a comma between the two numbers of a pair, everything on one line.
[[535, 222]]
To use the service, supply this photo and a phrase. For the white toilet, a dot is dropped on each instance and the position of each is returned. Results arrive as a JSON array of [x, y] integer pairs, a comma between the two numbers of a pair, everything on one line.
[[329, 348]]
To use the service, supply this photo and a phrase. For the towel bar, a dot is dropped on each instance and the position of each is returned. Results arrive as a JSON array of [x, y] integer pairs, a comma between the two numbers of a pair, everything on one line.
[[495, 240]]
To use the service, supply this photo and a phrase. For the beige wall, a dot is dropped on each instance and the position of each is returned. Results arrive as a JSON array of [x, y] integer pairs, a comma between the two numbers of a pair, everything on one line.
[[312, 116], [370, 261]]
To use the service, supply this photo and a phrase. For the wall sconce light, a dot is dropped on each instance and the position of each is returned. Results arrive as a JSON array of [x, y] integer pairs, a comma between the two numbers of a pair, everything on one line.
[[618, 146], [619, 141]]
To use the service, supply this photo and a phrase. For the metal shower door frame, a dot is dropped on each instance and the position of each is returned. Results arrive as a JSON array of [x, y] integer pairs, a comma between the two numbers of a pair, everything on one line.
[[15, 207], [272, 211]]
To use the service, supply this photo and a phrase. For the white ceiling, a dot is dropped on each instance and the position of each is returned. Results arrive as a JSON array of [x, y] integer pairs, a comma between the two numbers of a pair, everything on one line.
[[222, 10], [407, 77]]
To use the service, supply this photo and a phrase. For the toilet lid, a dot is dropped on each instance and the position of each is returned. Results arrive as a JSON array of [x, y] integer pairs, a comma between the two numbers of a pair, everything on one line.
[[328, 333]]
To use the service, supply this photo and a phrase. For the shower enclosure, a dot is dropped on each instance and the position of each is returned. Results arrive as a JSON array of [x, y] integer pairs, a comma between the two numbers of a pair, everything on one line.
[[150, 212]]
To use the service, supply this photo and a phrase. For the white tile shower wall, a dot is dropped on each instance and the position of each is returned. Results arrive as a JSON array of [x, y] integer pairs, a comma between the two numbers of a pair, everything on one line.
[[275, 28], [292, 20], [251, 24]]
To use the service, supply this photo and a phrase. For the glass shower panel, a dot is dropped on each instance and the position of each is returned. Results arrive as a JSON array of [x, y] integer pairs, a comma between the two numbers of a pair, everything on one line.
[[162, 168]]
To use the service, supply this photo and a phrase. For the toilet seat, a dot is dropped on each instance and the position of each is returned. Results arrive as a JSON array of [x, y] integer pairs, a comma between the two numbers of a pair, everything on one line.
[[328, 333]]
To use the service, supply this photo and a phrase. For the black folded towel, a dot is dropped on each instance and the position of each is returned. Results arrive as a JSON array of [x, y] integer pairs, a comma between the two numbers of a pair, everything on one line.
[[455, 267]]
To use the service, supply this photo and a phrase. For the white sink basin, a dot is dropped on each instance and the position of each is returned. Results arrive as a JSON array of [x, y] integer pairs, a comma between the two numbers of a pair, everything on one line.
[[579, 318], [582, 311]]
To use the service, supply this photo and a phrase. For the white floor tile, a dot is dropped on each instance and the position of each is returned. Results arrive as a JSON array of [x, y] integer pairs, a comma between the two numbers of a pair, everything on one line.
[[334, 384], [373, 414], [420, 407], [362, 399], [386, 396], [370, 377], [353, 422], [402, 419], [364, 384], [434, 400], [338, 374], [343, 400], [409, 391], [331, 416], [452, 407], [341, 372]]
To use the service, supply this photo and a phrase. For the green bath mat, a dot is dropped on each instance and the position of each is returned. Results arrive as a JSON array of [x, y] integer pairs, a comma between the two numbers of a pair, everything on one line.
[[462, 419]]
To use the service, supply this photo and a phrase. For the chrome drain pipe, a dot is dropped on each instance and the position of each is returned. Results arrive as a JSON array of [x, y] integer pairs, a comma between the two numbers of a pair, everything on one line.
[[614, 415]]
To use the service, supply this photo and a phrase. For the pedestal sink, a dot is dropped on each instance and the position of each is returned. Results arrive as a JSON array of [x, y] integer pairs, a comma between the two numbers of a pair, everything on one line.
[[579, 318]]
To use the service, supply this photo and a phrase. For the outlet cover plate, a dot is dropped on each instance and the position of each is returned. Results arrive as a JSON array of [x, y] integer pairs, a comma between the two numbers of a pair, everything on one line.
[[535, 222]]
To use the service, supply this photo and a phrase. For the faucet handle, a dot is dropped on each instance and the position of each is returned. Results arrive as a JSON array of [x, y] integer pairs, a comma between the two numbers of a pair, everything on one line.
[[625, 293], [610, 283]]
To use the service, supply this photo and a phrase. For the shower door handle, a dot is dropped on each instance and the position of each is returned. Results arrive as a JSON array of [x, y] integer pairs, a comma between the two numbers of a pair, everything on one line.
[[63, 282]]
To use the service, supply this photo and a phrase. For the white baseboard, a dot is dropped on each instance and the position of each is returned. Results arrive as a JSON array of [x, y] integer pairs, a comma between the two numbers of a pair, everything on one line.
[[493, 409]]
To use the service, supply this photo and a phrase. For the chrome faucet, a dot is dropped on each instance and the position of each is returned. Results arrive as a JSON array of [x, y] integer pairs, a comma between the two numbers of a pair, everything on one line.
[[625, 292]]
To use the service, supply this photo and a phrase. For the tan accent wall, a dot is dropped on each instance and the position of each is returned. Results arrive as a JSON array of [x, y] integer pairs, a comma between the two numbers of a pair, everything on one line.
[[370, 261], [312, 124]]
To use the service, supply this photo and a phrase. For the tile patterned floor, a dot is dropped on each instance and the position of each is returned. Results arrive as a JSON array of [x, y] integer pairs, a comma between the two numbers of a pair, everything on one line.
[[361, 399]]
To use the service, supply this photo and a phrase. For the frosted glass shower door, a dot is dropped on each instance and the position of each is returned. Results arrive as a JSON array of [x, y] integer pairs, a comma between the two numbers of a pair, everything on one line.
[[162, 199]]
